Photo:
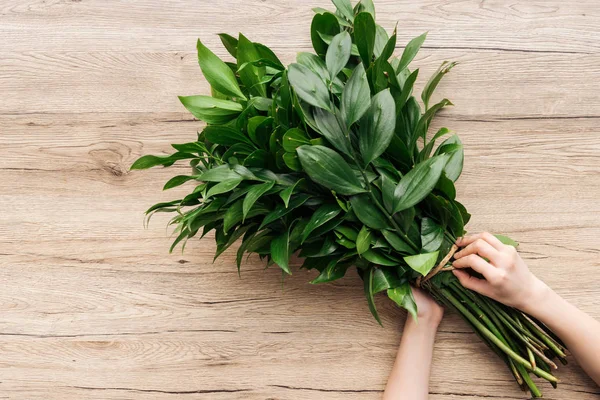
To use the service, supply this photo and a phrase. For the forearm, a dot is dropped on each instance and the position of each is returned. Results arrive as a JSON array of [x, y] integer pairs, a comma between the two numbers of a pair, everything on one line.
[[579, 331], [409, 378]]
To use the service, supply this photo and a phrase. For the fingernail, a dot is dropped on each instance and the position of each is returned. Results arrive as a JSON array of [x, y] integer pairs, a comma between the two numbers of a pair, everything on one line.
[[458, 240]]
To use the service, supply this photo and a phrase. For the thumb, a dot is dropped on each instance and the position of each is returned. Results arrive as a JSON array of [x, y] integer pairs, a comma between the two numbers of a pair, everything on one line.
[[470, 282]]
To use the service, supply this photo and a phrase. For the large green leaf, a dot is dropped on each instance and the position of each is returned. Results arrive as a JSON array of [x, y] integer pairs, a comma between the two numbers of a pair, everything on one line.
[[378, 258], [434, 80], [309, 86], [363, 240], [223, 187], [331, 127], [253, 194], [422, 263], [280, 251], [377, 126], [369, 286], [250, 75], [410, 51], [364, 36], [356, 97], [384, 279], [225, 135], [338, 53], [217, 73], [418, 182], [314, 63], [367, 212], [211, 110], [329, 169], [325, 23], [322, 215], [294, 138], [399, 244], [403, 297], [219, 174]]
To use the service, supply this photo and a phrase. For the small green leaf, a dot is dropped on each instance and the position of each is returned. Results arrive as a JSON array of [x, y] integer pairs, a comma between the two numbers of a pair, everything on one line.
[[150, 161], [329, 169], [177, 181], [406, 90], [454, 166], [418, 182], [325, 23], [364, 36], [356, 97], [422, 263], [230, 43], [375, 257], [384, 279], [251, 76], [309, 86], [410, 51], [506, 240], [432, 235], [367, 6], [223, 187], [397, 242], [217, 73], [338, 53], [363, 241], [281, 210], [211, 110], [368, 285], [345, 8], [435, 80], [381, 38], [253, 195], [377, 126], [313, 62], [280, 251], [292, 161], [389, 44], [218, 174], [322, 215], [286, 193], [260, 129], [333, 271], [331, 127], [404, 298], [225, 135], [367, 212], [294, 138]]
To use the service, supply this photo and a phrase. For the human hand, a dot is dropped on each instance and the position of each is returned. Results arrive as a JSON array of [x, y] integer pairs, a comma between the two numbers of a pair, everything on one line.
[[507, 277], [428, 310]]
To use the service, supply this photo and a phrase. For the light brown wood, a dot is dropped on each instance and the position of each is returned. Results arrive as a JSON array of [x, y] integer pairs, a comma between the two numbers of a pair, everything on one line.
[[94, 307]]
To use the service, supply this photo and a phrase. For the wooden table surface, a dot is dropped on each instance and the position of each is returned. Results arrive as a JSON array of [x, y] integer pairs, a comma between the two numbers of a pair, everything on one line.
[[92, 306]]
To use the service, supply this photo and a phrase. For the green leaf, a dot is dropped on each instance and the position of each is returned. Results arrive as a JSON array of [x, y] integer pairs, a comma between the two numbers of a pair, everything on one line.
[[294, 138], [329, 169], [254, 240], [345, 8], [375, 257], [446, 186], [211, 110], [418, 182], [280, 251], [410, 51], [404, 298], [225, 135], [367, 6], [364, 36], [338, 53], [406, 90], [266, 54], [230, 43], [217, 73], [363, 241], [218, 174], [330, 126], [313, 62], [389, 44], [253, 195], [377, 126], [232, 216], [260, 129], [432, 235], [367, 212], [425, 120], [422, 263], [454, 166], [251, 76], [506, 240], [333, 271], [177, 181], [257, 159], [384, 279], [322, 215], [368, 285], [223, 187], [356, 97], [309, 86], [381, 38], [286, 193], [231, 239], [281, 210], [434, 80], [325, 23], [397, 242], [292, 161], [150, 161]]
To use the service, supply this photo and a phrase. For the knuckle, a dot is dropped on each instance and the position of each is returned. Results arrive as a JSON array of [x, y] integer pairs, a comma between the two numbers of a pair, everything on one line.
[[486, 236]]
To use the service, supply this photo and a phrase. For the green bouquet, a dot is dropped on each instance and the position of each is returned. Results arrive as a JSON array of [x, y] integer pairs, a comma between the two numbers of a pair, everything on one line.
[[331, 158]]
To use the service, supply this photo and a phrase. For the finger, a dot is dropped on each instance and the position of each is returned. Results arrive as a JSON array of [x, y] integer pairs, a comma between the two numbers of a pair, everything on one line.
[[478, 264], [473, 283], [481, 247], [488, 237]]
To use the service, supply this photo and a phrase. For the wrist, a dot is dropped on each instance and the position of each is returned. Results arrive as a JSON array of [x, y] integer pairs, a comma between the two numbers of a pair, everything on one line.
[[427, 322], [536, 298]]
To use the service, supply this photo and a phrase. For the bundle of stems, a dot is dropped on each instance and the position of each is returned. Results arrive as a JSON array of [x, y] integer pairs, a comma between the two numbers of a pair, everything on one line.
[[331, 158]]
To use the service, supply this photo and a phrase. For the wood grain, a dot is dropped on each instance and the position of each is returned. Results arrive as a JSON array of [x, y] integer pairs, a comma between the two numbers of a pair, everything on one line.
[[94, 307]]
